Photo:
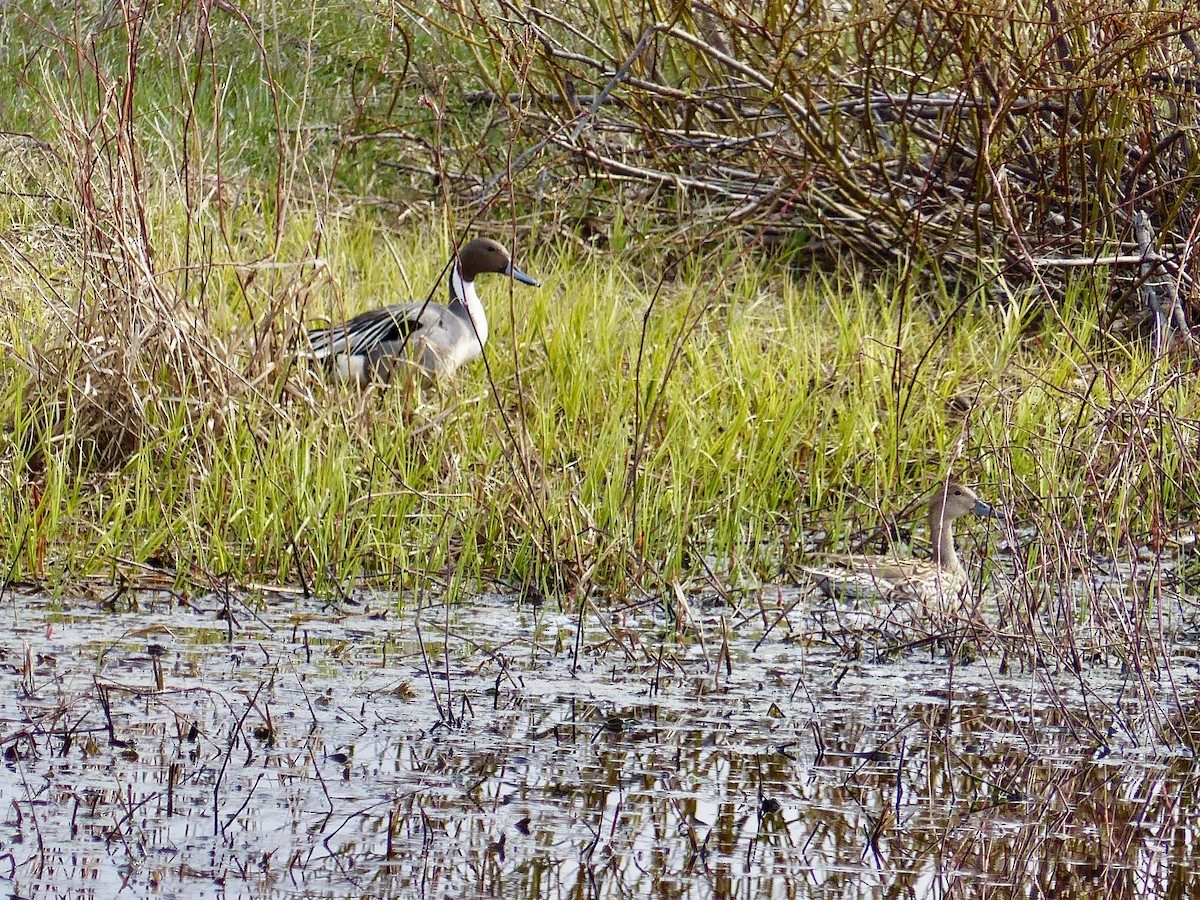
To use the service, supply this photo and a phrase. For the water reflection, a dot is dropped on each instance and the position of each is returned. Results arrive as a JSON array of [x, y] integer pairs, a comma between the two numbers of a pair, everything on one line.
[[324, 755]]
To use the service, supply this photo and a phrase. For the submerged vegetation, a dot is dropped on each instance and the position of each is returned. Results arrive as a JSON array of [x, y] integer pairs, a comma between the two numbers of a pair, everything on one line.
[[292, 753], [701, 389]]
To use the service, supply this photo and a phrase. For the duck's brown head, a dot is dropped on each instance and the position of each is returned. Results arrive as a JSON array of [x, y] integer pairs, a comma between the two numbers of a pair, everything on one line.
[[484, 255], [952, 500]]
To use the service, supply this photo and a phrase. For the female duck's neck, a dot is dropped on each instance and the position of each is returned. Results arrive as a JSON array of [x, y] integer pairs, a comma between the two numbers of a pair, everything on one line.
[[941, 532]]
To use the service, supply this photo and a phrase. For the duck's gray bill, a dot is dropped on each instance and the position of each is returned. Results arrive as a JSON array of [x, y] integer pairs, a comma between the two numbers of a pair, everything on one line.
[[520, 276], [982, 509]]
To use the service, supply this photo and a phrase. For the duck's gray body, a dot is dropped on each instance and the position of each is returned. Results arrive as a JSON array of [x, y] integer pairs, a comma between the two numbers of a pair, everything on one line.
[[381, 344], [374, 345]]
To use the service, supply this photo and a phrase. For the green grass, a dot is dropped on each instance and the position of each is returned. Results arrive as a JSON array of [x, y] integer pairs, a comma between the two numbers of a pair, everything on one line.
[[758, 404], [659, 407]]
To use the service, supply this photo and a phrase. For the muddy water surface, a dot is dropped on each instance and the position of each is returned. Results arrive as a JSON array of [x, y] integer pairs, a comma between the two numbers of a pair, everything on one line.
[[284, 748]]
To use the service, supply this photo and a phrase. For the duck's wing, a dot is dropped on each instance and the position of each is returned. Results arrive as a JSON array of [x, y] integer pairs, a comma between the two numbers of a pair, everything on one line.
[[372, 329], [888, 577], [854, 576]]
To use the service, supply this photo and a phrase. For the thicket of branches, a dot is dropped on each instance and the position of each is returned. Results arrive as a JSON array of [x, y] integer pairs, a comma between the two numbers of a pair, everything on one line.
[[961, 134]]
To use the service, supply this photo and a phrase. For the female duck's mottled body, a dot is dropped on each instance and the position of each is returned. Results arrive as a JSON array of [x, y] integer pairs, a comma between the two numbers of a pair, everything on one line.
[[934, 580], [436, 339]]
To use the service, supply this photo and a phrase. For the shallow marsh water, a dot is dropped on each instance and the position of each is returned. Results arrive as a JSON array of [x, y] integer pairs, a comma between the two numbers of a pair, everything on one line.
[[212, 748]]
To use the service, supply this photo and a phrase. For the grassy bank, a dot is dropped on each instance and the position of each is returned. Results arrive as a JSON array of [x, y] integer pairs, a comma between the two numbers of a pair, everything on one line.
[[625, 427], [671, 403]]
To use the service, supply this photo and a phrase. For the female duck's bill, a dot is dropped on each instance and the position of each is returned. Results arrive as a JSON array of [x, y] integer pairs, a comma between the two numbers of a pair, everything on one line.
[[381, 344], [936, 580]]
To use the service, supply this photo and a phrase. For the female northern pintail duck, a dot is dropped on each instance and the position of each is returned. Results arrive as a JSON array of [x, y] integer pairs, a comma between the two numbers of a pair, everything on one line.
[[895, 577], [436, 339]]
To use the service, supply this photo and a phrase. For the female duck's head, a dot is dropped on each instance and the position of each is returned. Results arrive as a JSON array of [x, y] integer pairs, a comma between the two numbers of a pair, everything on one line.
[[949, 502]]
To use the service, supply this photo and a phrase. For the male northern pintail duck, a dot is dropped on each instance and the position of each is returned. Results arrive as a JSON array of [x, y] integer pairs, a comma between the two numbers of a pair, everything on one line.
[[436, 339], [933, 580]]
